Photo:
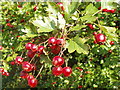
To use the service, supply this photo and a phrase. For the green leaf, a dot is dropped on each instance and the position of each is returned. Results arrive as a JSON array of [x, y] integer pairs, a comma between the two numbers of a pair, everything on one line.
[[90, 9], [88, 18], [43, 27], [72, 46], [77, 27], [78, 45]]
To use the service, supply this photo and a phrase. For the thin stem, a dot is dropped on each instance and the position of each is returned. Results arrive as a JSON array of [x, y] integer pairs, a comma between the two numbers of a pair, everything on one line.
[[32, 58], [39, 71]]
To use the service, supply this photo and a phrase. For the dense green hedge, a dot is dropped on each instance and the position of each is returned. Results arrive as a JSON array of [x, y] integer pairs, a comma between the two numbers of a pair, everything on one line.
[[94, 64]]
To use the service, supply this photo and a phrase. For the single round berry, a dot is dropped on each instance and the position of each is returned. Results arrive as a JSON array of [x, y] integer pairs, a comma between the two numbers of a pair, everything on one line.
[[1, 47], [67, 71], [52, 41], [34, 47], [111, 42], [90, 26], [112, 11], [57, 61], [23, 74], [19, 60], [60, 42], [61, 5], [28, 46], [94, 33], [40, 49], [32, 82], [100, 38], [35, 8], [22, 20], [30, 54], [30, 77], [27, 66], [12, 63], [8, 24], [1, 70], [57, 71]]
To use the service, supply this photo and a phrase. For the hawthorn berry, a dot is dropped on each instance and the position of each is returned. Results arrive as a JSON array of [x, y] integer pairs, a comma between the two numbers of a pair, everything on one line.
[[34, 47], [1, 47], [12, 63], [27, 66], [67, 71], [52, 41], [21, 21], [60, 42], [32, 82], [40, 49], [30, 54], [80, 86], [56, 51], [57, 71], [100, 38], [35, 8], [57, 61], [90, 26], [1, 70], [28, 46], [111, 42], [94, 33], [30, 77], [112, 11], [60, 4], [19, 60], [23, 74], [7, 74]]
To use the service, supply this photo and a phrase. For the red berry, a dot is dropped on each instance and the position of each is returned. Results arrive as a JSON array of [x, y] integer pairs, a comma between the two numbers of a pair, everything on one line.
[[52, 41], [22, 20], [55, 49], [57, 61], [112, 11], [12, 63], [8, 24], [80, 86], [105, 10], [99, 8], [94, 33], [27, 66], [30, 54], [4, 73], [110, 51], [119, 11], [95, 42], [60, 42], [1, 47], [23, 74], [19, 6], [67, 71], [7, 74], [34, 47], [35, 8], [30, 77], [60, 4], [111, 42], [1, 70], [7, 20], [40, 49], [33, 66], [90, 26], [19, 60], [32, 82], [57, 71], [100, 38], [28, 46]]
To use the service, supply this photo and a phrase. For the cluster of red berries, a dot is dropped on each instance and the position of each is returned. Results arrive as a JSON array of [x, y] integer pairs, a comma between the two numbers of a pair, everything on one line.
[[55, 44], [9, 24], [99, 38], [4, 72], [111, 11], [58, 70]]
